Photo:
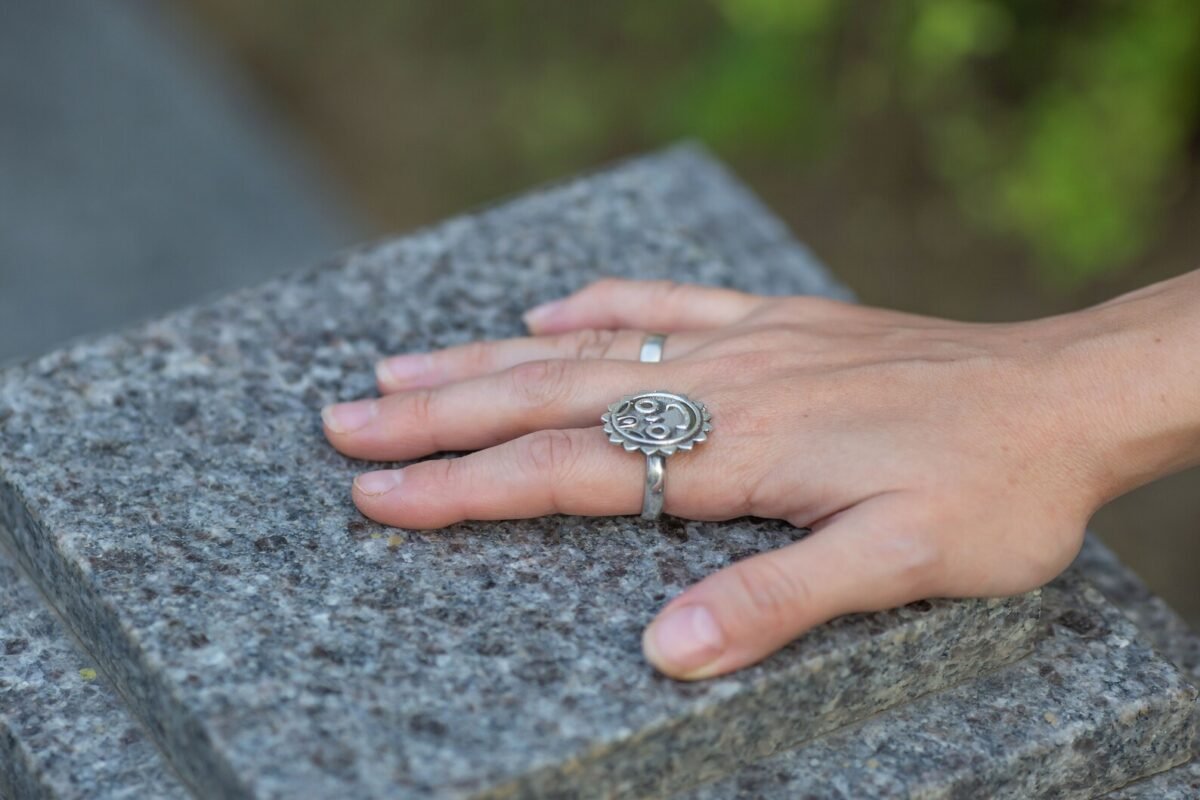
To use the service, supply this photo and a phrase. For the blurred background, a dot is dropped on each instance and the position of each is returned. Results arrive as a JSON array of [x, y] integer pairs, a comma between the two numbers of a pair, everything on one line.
[[974, 159]]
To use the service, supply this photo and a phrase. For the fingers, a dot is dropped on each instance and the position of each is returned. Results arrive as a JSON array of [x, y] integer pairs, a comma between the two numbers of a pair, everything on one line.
[[572, 471], [663, 306], [480, 412], [547, 472], [606, 320], [865, 560], [417, 370]]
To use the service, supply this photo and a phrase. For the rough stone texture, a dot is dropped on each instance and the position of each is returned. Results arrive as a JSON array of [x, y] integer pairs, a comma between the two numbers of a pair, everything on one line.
[[134, 175], [1161, 626], [1090, 710], [63, 733], [1171, 636], [170, 490], [1180, 783]]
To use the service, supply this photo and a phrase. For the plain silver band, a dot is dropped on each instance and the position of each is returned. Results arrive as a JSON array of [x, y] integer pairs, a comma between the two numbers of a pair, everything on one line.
[[656, 466], [656, 480], [652, 347]]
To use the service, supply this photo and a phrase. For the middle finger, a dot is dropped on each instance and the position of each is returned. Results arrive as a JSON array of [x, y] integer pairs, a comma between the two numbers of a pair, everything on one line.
[[484, 411]]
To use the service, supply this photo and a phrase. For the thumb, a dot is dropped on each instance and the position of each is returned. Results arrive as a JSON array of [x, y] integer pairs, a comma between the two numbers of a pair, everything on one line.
[[860, 561]]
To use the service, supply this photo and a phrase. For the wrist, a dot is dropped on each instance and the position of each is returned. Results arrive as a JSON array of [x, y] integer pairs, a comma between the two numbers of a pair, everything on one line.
[[1129, 381]]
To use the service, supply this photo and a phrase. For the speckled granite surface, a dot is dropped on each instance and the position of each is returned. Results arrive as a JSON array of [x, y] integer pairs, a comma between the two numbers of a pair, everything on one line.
[[1159, 623], [1090, 710], [1180, 783], [63, 734], [171, 490], [1171, 636]]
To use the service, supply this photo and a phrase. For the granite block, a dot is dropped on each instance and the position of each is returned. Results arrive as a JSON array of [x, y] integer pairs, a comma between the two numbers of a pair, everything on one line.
[[1179, 783], [1171, 636], [1090, 710], [169, 488], [1168, 632], [63, 732]]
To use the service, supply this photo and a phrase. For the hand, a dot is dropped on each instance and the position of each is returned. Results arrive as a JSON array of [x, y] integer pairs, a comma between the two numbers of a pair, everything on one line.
[[930, 458]]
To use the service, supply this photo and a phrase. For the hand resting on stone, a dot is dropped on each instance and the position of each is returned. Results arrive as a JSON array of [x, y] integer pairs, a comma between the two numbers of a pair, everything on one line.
[[930, 457]]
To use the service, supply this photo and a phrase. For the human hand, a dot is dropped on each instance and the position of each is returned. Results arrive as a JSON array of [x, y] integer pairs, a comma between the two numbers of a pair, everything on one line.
[[930, 458]]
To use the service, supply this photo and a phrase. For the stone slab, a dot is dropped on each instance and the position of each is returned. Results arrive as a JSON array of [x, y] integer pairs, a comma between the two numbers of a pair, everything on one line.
[[170, 489], [1090, 710], [1171, 636], [1168, 632], [1180, 783], [63, 731], [137, 174]]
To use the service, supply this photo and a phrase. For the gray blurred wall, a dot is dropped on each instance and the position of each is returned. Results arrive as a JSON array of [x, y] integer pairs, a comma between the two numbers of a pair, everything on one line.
[[136, 174]]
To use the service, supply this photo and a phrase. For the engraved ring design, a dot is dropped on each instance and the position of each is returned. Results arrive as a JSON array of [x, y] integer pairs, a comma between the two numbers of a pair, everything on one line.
[[658, 424]]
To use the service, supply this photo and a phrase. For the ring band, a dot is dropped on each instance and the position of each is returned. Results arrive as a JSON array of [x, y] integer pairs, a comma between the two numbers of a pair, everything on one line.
[[656, 466], [656, 484], [652, 347]]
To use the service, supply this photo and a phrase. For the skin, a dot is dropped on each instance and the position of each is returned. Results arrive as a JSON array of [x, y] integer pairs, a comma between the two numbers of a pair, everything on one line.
[[931, 458]]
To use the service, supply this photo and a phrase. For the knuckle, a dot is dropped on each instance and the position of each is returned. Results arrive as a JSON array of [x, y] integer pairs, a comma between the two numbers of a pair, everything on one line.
[[746, 483], [744, 364], [607, 283], [735, 497], [588, 343], [669, 291], [759, 362], [916, 558], [773, 594], [445, 471], [478, 354], [755, 423], [816, 304], [767, 338], [761, 341], [550, 453], [804, 308], [726, 486], [422, 406], [1041, 562], [539, 383], [605, 287]]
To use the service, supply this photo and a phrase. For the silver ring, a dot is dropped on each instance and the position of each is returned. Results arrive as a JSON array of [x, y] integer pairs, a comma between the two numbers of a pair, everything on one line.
[[657, 424], [652, 347]]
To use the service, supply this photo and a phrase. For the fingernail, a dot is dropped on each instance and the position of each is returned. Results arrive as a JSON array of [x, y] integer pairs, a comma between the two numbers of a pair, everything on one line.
[[378, 482], [684, 640], [401, 369], [348, 417], [539, 314]]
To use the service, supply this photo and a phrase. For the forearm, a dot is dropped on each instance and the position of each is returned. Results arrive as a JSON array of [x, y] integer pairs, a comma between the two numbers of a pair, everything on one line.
[[1134, 370]]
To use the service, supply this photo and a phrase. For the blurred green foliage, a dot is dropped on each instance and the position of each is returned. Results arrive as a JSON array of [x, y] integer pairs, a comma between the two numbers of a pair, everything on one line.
[[1061, 124]]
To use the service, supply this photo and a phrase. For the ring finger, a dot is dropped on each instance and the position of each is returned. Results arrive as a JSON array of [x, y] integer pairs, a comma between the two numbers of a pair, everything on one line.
[[484, 411]]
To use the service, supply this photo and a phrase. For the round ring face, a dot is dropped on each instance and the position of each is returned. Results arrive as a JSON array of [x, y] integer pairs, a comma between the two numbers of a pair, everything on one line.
[[657, 422]]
